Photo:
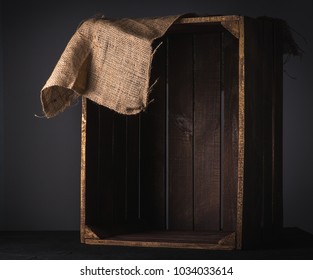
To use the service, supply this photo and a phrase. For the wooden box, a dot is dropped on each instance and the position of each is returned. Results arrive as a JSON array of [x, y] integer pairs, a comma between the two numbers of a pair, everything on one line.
[[202, 166]]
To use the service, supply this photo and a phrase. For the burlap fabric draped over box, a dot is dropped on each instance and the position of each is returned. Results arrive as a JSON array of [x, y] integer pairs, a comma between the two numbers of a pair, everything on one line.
[[108, 62]]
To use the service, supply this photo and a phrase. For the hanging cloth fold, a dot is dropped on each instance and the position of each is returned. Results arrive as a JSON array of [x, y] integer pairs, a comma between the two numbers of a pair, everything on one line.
[[108, 62]]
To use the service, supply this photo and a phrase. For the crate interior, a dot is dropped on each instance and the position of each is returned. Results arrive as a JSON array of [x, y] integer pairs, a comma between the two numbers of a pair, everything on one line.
[[170, 173]]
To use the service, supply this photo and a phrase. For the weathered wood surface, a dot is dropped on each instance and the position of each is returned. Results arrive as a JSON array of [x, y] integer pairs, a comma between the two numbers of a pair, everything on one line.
[[207, 132], [229, 154], [180, 132], [153, 147], [206, 156], [170, 239]]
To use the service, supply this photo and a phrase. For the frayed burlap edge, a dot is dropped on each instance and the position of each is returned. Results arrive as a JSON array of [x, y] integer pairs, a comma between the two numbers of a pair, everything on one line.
[[60, 92]]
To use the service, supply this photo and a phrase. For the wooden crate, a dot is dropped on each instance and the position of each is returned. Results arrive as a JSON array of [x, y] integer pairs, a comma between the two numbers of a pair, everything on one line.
[[202, 166]]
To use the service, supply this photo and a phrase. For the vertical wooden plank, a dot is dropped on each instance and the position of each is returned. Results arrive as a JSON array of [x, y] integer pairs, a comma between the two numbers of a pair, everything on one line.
[[230, 47], [112, 173], [253, 155], [105, 167], [106, 181], [267, 81], [119, 168], [92, 212], [241, 133], [263, 97], [207, 131], [83, 171], [132, 170], [277, 129], [180, 132], [152, 147]]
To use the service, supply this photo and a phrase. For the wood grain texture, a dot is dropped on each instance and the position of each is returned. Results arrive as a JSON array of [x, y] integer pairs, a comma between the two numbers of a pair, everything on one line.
[[83, 171], [132, 169], [90, 234], [216, 172], [232, 27], [229, 165], [92, 167], [210, 19], [204, 246], [277, 129], [241, 134], [207, 131], [153, 146], [267, 85], [253, 157], [119, 167], [180, 132], [105, 192], [169, 239], [260, 130]]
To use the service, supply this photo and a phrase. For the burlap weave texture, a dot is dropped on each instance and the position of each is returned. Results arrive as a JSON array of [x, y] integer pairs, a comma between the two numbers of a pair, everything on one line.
[[108, 62]]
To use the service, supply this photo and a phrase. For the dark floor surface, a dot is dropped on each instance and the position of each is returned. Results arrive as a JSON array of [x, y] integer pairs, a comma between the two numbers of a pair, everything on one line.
[[294, 244]]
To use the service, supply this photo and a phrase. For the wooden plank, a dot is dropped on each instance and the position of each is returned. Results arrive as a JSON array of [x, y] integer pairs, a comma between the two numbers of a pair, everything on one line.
[[174, 236], [132, 169], [105, 187], [232, 27], [253, 161], [263, 126], [267, 82], [92, 180], [89, 233], [210, 19], [119, 168], [241, 133], [202, 28], [207, 131], [204, 246], [169, 239], [180, 132], [152, 147], [83, 171], [277, 129], [229, 165]]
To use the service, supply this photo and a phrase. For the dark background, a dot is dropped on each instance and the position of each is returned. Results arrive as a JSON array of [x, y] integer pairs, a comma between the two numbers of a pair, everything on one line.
[[40, 159]]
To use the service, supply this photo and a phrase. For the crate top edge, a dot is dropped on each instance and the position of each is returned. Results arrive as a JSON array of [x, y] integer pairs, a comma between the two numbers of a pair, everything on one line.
[[208, 19], [221, 19], [200, 24]]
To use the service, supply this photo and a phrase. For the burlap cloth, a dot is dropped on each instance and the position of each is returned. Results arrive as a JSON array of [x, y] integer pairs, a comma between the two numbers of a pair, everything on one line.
[[108, 62]]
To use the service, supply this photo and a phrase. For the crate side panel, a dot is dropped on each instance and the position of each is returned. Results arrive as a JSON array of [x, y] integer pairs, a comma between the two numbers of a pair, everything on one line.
[[263, 130], [180, 132], [83, 171], [132, 169], [91, 165], [152, 147], [267, 81], [253, 156], [277, 128], [119, 151], [111, 168], [105, 166], [230, 130], [241, 134], [207, 131]]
